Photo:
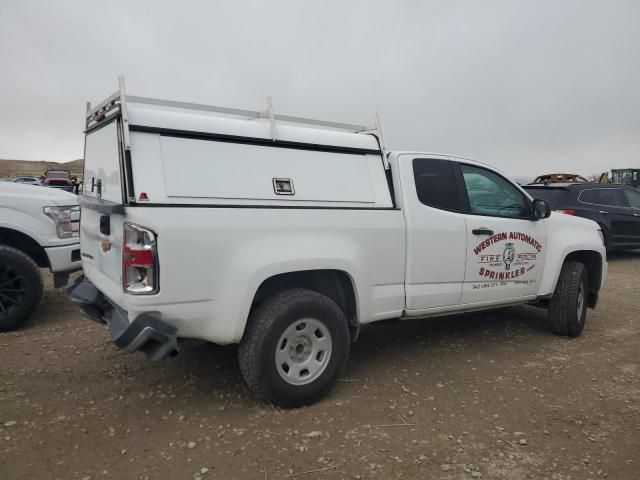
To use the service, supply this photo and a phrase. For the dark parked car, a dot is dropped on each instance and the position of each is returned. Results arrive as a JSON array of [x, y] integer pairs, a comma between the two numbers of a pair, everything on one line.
[[615, 207]]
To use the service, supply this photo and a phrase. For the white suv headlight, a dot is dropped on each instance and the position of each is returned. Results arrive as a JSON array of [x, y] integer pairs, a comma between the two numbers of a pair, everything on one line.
[[66, 219]]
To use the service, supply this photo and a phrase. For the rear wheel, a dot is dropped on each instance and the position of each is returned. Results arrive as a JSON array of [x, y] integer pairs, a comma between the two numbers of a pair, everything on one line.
[[294, 347], [20, 287], [568, 307]]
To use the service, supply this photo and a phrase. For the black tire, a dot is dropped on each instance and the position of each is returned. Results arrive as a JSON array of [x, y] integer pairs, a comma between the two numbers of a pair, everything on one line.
[[263, 338], [566, 315], [20, 287]]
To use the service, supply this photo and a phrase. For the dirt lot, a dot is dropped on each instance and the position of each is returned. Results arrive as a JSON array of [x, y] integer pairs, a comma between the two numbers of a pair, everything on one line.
[[493, 396]]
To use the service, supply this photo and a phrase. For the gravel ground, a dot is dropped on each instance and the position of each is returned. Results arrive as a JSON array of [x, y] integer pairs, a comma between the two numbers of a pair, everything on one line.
[[490, 396]]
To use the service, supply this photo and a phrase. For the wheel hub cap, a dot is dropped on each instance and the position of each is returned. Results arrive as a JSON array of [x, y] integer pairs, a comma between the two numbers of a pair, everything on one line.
[[303, 351]]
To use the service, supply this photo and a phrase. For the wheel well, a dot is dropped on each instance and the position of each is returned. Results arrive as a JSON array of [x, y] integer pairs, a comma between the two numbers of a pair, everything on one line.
[[335, 284], [593, 263], [26, 244]]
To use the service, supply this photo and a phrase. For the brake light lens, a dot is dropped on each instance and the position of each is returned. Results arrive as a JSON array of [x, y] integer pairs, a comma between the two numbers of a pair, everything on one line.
[[566, 211], [139, 260]]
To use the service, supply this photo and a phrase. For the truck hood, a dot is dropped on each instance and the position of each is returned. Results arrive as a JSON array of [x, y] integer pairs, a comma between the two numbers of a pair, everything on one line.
[[14, 194], [560, 219]]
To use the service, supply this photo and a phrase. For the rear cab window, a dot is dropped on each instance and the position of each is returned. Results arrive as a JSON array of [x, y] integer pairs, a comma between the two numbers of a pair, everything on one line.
[[436, 184]]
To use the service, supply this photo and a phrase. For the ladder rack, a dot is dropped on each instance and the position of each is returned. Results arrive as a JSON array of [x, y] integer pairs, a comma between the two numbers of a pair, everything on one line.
[[119, 100]]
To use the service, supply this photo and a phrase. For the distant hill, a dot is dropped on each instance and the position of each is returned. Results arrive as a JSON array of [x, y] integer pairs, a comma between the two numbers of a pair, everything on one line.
[[13, 168]]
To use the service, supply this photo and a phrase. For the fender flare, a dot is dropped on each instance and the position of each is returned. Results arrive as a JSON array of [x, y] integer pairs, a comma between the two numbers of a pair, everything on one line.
[[577, 253], [274, 270]]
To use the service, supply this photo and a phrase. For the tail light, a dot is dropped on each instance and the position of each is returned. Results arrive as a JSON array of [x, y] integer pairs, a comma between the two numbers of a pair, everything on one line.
[[566, 211], [139, 261]]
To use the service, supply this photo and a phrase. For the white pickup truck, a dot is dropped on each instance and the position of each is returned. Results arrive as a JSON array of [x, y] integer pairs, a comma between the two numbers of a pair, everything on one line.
[[38, 229], [286, 235]]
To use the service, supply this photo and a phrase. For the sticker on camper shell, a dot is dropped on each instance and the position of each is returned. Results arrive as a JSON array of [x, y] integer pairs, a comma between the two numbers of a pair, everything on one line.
[[507, 256]]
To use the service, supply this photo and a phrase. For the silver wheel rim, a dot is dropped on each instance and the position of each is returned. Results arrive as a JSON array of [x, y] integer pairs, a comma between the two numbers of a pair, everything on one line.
[[580, 301], [303, 351]]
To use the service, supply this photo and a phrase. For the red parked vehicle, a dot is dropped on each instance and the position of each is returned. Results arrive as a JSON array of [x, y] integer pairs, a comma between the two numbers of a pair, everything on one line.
[[58, 178]]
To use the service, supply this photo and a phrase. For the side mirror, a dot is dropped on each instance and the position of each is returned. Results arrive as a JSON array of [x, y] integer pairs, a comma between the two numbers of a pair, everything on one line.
[[541, 209]]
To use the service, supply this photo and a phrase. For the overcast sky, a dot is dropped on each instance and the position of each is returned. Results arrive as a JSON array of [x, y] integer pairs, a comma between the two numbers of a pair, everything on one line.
[[529, 86]]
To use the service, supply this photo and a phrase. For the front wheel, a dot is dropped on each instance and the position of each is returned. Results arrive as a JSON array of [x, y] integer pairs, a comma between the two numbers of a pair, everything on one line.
[[568, 307], [20, 287], [294, 347]]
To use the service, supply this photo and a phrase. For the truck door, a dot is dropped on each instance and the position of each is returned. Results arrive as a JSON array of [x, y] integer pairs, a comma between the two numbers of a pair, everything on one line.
[[506, 249], [633, 199], [613, 205], [436, 232]]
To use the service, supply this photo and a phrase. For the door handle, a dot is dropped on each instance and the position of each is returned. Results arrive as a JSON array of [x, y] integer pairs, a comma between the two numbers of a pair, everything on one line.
[[603, 211], [482, 231]]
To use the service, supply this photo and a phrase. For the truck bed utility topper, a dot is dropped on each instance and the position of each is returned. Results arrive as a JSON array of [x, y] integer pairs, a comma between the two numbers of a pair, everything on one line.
[[286, 235], [219, 133]]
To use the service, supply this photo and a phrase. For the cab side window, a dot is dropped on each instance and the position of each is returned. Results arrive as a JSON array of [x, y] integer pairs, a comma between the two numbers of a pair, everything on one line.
[[490, 194], [633, 197], [603, 196], [435, 184]]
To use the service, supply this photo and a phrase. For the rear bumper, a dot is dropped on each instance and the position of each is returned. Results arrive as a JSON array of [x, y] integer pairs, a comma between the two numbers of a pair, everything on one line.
[[146, 333]]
